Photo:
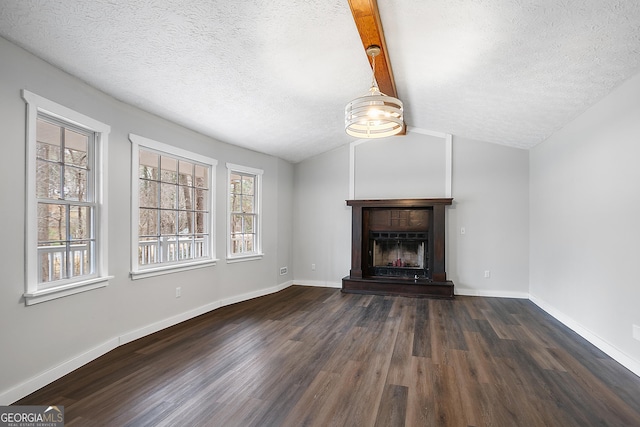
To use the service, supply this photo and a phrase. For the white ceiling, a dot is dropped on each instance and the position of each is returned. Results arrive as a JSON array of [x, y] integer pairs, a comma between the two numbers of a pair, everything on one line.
[[274, 76]]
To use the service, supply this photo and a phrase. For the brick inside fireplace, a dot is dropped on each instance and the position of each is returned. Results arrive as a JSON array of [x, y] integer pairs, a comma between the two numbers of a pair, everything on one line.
[[398, 248]]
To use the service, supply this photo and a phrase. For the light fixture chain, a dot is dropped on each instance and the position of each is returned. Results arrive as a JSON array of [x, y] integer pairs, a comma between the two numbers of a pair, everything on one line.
[[374, 82]]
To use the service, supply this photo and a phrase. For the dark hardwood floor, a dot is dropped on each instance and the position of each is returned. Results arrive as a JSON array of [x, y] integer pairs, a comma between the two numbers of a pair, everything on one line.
[[316, 357]]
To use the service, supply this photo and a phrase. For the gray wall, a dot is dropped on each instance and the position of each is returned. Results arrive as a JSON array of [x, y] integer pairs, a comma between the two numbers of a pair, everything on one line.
[[491, 202], [408, 166], [43, 341], [322, 220], [585, 199], [490, 191]]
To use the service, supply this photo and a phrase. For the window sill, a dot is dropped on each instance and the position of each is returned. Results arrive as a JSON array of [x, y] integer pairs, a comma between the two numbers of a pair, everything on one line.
[[168, 269], [37, 297], [243, 258]]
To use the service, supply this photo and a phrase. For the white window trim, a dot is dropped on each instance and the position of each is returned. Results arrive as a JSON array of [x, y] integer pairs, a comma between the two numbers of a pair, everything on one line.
[[138, 272], [257, 254], [33, 293]]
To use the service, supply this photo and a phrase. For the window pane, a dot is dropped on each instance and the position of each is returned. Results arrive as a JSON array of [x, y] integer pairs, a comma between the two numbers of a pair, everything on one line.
[[236, 223], [148, 251], [80, 222], [168, 169], [235, 203], [202, 198], [52, 222], [148, 223], [148, 194], [80, 256], [167, 222], [167, 196], [47, 180], [247, 185], [199, 247], [48, 140], [247, 204], [249, 242], [75, 184], [234, 182], [169, 249], [248, 224], [52, 263], [186, 173], [186, 248], [48, 152], [185, 222], [236, 243], [185, 197], [202, 177], [201, 222], [76, 146], [148, 162]]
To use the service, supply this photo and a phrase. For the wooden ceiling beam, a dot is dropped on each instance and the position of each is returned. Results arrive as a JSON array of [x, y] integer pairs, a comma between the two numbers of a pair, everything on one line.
[[367, 18]]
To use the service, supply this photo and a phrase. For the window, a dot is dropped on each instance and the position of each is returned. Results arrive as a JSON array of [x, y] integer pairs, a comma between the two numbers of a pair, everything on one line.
[[244, 219], [66, 218], [172, 219]]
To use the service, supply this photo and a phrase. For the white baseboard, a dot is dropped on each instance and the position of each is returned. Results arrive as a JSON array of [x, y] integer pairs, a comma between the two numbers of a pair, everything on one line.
[[612, 351], [7, 397], [319, 283], [165, 323], [490, 293], [255, 294]]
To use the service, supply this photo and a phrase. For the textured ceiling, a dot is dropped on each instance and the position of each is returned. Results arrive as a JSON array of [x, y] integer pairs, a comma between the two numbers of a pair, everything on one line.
[[274, 76]]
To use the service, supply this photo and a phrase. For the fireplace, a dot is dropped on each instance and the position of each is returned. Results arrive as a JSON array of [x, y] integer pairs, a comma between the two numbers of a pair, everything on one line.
[[399, 254], [398, 248]]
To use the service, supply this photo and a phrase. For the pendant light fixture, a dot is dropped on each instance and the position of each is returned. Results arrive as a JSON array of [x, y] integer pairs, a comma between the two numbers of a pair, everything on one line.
[[374, 115]]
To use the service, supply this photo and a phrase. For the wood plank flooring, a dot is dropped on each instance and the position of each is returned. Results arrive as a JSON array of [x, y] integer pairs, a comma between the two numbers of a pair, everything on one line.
[[317, 357]]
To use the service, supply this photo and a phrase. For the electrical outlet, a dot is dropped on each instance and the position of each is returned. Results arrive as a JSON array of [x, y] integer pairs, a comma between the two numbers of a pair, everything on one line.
[[283, 271], [462, 230], [487, 274], [313, 267], [636, 332], [178, 292]]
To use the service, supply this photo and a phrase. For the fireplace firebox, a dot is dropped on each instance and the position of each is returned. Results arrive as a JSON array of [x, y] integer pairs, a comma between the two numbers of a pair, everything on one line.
[[397, 254], [398, 248]]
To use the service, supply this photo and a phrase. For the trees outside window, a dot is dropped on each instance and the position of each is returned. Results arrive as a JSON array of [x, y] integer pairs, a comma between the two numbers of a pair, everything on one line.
[[244, 212], [66, 219], [65, 201], [174, 207]]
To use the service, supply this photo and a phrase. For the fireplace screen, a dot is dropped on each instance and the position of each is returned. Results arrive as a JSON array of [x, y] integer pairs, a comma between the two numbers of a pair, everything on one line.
[[399, 254]]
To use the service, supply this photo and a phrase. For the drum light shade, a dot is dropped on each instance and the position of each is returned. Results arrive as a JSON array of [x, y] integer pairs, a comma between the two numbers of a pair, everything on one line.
[[374, 115]]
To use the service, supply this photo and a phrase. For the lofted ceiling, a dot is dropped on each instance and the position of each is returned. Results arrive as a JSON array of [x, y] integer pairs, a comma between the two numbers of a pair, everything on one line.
[[274, 76]]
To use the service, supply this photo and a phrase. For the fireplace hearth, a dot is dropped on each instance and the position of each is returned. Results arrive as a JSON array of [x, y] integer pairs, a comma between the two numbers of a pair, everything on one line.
[[398, 248]]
